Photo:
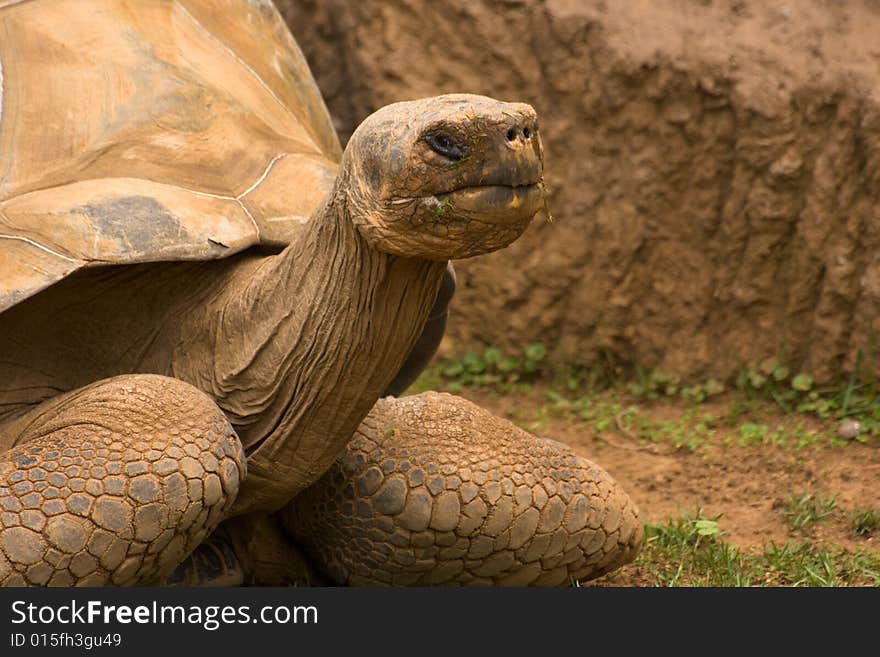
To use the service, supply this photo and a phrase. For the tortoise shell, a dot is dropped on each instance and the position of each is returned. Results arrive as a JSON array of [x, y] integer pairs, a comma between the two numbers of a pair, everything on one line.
[[187, 130]]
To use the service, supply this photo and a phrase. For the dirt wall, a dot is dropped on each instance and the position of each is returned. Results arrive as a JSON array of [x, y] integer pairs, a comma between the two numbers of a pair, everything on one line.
[[714, 168]]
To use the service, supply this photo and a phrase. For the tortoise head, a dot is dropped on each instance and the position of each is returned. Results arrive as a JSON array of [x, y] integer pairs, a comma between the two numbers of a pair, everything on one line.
[[446, 177]]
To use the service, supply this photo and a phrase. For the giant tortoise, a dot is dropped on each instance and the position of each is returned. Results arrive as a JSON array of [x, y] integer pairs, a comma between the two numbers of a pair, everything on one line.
[[203, 299]]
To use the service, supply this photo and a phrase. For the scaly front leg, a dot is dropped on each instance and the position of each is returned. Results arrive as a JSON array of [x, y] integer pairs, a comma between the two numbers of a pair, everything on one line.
[[114, 483], [435, 490]]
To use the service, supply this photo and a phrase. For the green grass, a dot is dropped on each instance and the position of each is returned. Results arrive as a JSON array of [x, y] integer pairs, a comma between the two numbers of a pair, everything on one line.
[[604, 413], [854, 397], [691, 551], [789, 437], [600, 413], [811, 415], [804, 510], [857, 397], [865, 522], [693, 428]]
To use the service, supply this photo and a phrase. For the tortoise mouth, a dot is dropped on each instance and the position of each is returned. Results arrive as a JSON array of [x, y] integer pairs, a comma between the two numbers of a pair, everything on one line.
[[496, 204], [493, 204]]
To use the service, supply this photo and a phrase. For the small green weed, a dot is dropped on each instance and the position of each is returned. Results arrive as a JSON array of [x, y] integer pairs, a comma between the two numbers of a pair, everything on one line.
[[803, 511], [865, 521], [688, 551], [692, 430], [754, 434], [858, 398], [654, 385], [750, 434], [492, 369], [597, 412], [442, 208]]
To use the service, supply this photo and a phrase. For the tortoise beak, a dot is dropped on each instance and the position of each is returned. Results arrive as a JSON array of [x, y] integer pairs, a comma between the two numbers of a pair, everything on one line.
[[496, 204]]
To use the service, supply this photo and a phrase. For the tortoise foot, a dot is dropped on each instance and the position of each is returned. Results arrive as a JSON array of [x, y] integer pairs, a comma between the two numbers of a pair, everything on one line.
[[114, 483], [435, 490]]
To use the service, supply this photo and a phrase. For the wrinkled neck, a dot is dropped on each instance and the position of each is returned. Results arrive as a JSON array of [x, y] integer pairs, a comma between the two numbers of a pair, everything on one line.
[[308, 343]]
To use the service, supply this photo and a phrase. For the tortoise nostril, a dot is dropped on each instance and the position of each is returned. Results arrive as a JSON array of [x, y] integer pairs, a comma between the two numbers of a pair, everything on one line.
[[511, 134], [526, 132]]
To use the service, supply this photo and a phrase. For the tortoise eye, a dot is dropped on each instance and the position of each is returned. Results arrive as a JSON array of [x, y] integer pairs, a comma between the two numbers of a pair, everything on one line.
[[444, 145]]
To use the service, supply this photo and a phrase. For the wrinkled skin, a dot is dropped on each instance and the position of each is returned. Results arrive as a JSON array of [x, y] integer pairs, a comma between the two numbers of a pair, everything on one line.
[[122, 473], [409, 199]]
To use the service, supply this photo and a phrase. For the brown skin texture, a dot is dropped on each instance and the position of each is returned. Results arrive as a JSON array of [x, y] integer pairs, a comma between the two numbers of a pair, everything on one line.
[[429, 341], [378, 253], [115, 483], [435, 490], [292, 349]]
